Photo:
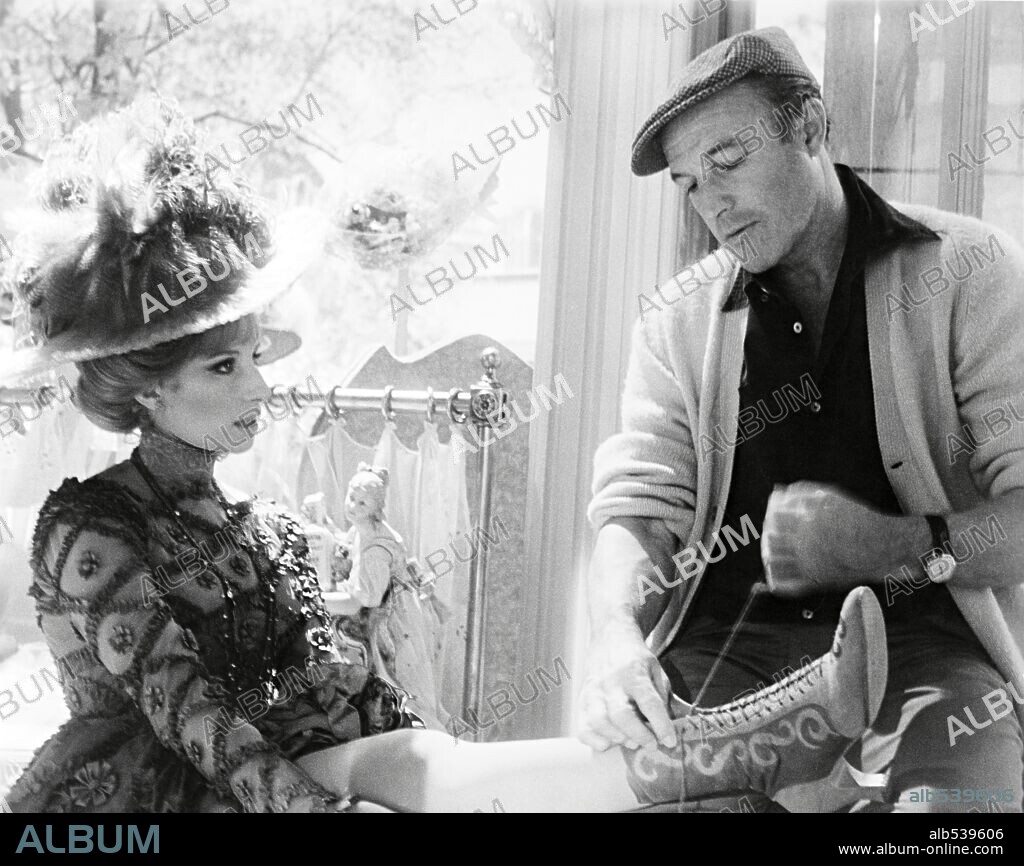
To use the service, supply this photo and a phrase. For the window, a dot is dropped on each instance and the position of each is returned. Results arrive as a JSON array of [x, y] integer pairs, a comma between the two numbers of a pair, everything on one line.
[[925, 98], [1003, 133]]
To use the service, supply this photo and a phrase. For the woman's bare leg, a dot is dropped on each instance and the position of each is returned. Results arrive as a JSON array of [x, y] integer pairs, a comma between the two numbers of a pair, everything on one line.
[[430, 771], [787, 734]]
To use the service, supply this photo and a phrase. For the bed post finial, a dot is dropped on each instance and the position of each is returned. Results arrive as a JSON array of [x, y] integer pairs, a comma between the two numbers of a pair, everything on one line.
[[490, 359]]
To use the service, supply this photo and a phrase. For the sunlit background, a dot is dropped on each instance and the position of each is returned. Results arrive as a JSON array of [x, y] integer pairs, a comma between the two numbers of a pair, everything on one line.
[[397, 95]]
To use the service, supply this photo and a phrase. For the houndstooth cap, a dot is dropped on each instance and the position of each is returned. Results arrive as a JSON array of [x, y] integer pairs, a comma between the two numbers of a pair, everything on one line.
[[768, 51]]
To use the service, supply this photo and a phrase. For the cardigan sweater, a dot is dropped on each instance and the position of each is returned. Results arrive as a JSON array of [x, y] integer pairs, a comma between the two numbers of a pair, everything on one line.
[[946, 340]]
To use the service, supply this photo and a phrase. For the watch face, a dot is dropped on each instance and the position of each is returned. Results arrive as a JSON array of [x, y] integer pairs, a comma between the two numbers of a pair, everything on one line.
[[940, 569]]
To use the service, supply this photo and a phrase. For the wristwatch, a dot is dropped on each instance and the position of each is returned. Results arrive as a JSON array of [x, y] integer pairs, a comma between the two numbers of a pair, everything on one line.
[[938, 563]]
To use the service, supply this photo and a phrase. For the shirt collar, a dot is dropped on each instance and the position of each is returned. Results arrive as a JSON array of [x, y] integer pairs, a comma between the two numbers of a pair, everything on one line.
[[876, 226]]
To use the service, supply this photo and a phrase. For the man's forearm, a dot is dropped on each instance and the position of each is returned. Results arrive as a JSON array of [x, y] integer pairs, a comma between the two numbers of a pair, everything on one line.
[[988, 540], [994, 533], [628, 549]]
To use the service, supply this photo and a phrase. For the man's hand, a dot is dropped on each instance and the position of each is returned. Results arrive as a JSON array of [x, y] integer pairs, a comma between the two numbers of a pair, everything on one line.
[[818, 538], [625, 693]]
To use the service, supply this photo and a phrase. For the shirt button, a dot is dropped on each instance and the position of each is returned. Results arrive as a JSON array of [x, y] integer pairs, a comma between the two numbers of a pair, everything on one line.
[[807, 613], [797, 327], [815, 407]]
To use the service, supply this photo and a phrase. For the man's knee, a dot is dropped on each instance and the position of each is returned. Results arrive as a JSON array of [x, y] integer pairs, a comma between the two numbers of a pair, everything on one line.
[[970, 775], [929, 769]]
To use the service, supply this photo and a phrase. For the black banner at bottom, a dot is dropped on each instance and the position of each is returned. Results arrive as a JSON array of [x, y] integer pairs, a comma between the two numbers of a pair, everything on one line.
[[214, 837]]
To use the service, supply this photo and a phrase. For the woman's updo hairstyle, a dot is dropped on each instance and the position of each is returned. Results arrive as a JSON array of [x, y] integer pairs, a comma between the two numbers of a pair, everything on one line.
[[373, 481]]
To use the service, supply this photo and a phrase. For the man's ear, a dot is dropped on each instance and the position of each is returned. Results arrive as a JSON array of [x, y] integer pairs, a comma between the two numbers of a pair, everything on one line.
[[815, 125]]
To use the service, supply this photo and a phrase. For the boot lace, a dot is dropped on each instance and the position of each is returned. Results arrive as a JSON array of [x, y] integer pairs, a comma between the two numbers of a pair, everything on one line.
[[788, 690]]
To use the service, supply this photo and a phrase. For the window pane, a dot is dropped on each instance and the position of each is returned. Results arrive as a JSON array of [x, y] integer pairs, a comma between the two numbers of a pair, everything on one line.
[[804, 21], [1004, 172], [925, 104]]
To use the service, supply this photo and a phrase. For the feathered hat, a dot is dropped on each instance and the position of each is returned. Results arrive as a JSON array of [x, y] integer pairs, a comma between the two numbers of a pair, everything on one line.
[[135, 244]]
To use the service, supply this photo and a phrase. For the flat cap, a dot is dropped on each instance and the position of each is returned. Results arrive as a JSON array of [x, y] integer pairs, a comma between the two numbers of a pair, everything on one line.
[[768, 51]]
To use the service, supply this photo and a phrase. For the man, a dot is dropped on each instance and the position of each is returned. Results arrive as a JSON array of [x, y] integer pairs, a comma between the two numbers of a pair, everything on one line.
[[843, 409]]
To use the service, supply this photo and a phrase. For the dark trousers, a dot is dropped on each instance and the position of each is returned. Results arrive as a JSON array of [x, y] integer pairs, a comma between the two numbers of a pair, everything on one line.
[[937, 670]]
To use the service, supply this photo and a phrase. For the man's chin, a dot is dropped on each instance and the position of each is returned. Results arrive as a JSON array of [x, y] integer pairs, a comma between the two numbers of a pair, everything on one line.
[[743, 251]]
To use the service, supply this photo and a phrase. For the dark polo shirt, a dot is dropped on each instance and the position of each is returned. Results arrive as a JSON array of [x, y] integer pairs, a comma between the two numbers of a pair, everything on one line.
[[810, 419]]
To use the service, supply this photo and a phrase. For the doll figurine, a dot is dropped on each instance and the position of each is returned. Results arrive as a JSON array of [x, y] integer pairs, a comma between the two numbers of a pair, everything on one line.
[[399, 629]]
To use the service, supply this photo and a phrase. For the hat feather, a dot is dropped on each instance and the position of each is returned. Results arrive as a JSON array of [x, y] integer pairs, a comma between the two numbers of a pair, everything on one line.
[[133, 208]]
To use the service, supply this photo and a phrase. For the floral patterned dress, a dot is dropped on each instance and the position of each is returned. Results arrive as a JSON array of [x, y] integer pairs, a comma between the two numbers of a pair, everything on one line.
[[194, 677]]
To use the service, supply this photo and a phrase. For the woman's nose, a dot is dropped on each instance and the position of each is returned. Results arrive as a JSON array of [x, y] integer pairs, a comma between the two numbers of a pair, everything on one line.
[[261, 390]]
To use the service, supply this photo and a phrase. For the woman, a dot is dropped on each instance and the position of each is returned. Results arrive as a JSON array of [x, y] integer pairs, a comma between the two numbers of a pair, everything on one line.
[[197, 661]]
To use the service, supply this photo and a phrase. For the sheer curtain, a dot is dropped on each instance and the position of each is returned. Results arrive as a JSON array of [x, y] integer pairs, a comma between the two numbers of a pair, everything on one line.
[[608, 236]]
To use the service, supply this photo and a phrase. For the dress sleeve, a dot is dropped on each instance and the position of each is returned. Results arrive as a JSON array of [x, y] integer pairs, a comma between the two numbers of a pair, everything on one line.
[[90, 557]]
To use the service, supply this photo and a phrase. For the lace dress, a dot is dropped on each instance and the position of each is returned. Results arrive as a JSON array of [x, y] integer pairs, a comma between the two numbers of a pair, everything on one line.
[[193, 678]]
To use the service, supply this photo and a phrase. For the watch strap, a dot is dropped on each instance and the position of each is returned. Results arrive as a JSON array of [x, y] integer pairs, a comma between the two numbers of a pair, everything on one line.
[[940, 531], [941, 551]]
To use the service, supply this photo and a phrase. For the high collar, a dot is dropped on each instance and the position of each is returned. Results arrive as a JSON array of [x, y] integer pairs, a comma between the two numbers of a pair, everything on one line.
[[175, 463], [875, 227]]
